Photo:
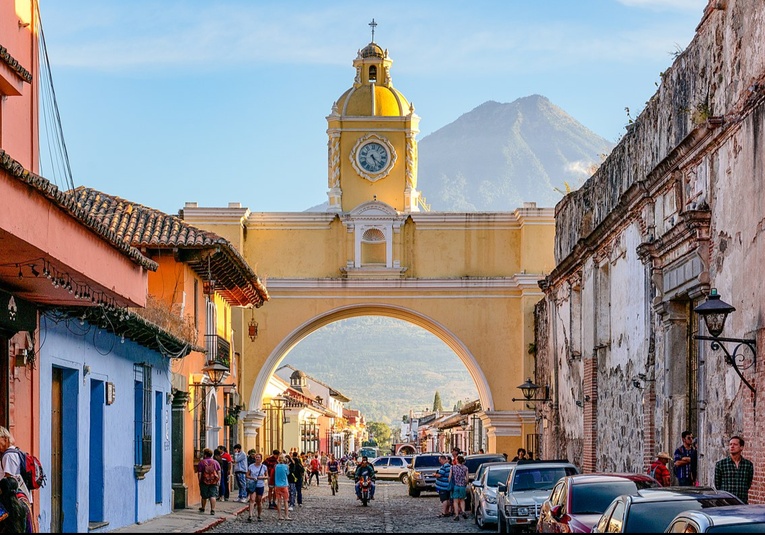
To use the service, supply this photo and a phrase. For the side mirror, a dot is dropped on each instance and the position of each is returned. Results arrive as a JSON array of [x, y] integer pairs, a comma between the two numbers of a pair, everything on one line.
[[477, 484], [555, 511], [501, 487]]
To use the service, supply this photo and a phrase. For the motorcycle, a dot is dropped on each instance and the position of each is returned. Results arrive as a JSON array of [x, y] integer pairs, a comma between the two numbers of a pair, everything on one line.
[[365, 486]]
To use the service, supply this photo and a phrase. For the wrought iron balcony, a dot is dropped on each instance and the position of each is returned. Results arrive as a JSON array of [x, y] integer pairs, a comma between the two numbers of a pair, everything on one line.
[[218, 350]]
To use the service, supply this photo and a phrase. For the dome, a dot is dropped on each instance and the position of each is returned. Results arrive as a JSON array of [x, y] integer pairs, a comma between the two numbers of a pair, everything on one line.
[[359, 101], [372, 50], [297, 374]]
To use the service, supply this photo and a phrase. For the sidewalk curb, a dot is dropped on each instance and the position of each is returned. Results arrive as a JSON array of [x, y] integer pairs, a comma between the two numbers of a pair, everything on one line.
[[221, 519]]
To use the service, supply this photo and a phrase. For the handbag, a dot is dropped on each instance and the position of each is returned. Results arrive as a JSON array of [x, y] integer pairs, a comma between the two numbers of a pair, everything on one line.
[[251, 486]]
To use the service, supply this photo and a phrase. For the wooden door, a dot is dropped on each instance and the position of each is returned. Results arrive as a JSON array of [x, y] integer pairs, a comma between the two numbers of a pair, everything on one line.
[[56, 437]]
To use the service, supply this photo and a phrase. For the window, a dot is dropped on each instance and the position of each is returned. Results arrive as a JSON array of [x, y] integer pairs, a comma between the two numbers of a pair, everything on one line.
[[397, 462], [143, 419]]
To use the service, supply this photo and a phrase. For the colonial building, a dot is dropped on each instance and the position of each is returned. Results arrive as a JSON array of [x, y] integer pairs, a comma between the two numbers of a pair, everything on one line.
[[376, 250], [675, 211]]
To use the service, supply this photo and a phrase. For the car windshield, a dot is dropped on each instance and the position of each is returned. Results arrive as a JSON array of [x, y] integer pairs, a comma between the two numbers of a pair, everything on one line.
[[426, 461], [654, 517], [496, 476], [539, 478], [473, 464], [594, 498], [753, 527]]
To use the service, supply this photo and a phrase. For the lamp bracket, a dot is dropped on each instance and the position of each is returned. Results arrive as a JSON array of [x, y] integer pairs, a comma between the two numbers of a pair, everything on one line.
[[737, 360]]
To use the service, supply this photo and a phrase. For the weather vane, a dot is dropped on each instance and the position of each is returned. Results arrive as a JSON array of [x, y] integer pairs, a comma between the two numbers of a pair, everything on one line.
[[373, 25]]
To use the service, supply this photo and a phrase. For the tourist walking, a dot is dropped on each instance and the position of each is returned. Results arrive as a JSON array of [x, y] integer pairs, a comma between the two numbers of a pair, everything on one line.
[[297, 473], [459, 480], [256, 476], [224, 460], [324, 460], [735, 473], [281, 487], [271, 463], [240, 472], [686, 461], [208, 472], [12, 461], [315, 469]]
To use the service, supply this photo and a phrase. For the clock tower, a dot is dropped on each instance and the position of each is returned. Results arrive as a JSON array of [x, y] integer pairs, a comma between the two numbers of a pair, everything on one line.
[[372, 146]]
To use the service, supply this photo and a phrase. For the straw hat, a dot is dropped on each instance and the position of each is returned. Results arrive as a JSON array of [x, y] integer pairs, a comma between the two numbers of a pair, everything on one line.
[[664, 455]]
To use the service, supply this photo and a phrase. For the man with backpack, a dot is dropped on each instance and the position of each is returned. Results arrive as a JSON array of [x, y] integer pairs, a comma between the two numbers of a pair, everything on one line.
[[13, 461], [271, 463], [315, 469], [208, 471], [659, 470]]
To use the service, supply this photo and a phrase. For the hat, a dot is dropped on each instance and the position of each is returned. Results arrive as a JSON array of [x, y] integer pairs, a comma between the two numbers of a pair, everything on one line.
[[664, 455]]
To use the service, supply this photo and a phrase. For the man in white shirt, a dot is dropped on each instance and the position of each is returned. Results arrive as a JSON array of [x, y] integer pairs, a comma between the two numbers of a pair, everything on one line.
[[12, 460]]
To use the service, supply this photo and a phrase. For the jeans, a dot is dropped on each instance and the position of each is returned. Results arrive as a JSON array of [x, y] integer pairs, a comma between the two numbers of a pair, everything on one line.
[[311, 477], [299, 491], [293, 492], [241, 482], [371, 489]]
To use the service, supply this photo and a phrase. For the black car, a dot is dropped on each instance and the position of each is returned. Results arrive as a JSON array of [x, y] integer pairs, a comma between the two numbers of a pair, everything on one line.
[[652, 510]]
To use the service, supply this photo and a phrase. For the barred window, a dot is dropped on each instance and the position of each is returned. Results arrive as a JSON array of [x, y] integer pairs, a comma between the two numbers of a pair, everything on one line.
[[143, 420]]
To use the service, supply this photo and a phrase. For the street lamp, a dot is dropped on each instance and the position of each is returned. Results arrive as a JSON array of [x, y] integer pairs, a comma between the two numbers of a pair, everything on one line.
[[529, 389], [215, 372], [714, 311]]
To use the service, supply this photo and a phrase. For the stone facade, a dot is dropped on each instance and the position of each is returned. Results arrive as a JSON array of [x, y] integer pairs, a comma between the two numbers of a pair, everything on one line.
[[674, 211]]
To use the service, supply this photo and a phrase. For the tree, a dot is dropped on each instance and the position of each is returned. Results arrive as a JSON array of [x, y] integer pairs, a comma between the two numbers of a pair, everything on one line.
[[437, 405], [380, 433]]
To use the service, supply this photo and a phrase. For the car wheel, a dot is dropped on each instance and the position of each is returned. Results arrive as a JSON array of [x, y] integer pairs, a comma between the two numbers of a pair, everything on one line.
[[404, 478], [501, 524], [414, 493], [479, 520]]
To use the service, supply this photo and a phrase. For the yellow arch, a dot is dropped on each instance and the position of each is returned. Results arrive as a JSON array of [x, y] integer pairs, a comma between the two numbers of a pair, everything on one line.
[[371, 309]]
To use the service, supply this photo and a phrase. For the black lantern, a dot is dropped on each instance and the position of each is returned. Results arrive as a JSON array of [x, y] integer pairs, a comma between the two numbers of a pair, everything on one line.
[[529, 389], [715, 311], [215, 372]]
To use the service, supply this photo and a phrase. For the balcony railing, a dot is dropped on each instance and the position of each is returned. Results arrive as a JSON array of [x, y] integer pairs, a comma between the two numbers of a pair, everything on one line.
[[218, 350]]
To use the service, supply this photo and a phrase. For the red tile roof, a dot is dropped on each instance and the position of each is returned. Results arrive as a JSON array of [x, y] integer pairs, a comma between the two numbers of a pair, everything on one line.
[[149, 228]]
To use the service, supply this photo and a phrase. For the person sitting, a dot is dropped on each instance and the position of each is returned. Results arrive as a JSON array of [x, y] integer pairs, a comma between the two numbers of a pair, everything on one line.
[[362, 470]]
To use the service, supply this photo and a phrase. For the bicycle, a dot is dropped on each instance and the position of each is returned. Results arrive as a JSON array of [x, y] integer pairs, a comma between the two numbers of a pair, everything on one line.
[[333, 483]]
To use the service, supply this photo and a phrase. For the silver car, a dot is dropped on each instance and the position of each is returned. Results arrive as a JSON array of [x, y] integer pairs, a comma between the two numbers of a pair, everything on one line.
[[485, 492], [731, 519], [391, 468]]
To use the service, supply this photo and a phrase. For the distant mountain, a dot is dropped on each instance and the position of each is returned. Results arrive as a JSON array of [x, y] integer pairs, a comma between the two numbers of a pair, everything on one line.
[[386, 366], [497, 156]]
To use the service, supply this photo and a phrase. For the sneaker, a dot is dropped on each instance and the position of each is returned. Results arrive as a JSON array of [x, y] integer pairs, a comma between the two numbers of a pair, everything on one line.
[[260, 519], [212, 512], [290, 508], [249, 519]]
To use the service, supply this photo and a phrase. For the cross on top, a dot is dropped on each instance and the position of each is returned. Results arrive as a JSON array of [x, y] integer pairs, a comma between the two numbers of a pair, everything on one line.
[[373, 25]]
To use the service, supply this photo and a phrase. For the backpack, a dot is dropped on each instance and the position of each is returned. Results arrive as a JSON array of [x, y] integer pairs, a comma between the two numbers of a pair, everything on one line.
[[31, 469], [209, 474]]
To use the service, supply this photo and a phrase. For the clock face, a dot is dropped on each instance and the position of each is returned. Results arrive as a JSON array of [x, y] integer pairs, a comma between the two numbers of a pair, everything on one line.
[[373, 157]]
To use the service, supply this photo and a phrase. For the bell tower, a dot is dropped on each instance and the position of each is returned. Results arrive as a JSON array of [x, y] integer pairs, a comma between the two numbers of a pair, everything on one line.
[[372, 146]]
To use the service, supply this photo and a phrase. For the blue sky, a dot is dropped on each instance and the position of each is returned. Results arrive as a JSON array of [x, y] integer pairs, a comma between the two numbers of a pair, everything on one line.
[[225, 101]]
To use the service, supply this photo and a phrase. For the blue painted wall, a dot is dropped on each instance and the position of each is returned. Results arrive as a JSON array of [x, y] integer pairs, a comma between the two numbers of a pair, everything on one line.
[[125, 499]]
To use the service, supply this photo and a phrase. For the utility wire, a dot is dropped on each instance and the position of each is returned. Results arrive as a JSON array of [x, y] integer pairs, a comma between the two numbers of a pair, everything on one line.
[[46, 83]]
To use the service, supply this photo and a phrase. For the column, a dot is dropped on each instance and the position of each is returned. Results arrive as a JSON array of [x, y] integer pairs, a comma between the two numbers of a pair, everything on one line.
[[180, 490]]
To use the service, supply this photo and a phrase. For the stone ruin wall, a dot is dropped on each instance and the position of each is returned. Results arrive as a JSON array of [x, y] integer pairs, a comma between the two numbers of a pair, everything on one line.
[[709, 79]]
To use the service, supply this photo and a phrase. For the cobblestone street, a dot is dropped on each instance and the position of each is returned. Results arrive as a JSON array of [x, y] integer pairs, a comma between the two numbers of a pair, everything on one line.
[[392, 511]]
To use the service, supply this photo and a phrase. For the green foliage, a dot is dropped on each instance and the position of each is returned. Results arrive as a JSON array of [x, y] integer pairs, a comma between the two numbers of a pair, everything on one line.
[[380, 433], [437, 405]]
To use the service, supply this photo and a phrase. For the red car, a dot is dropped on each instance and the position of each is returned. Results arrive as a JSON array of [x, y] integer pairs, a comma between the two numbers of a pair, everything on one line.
[[576, 502]]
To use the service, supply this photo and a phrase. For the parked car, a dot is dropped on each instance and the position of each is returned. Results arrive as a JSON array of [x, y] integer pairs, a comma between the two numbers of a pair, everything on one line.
[[731, 519], [576, 502], [472, 491], [473, 462], [485, 491], [528, 485], [422, 473], [392, 467], [651, 510]]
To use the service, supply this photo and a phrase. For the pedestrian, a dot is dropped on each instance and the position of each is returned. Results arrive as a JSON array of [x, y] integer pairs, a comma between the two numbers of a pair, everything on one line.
[[459, 480], [297, 471], [324, 460], [455, 453], [735, 473], [520, 455], [443, 486], [15, 510], [224, 460], [686, 461], [208, 472], [659, 470], [251, 453], [480, 451], [256, 476], [333, 468], [271, 463], [281, 487], [12, 461], [315, 469], [240, 472]]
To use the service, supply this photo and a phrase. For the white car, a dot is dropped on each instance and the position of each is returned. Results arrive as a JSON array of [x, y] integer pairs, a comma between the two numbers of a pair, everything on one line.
[[391, 468], [485, 492]]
